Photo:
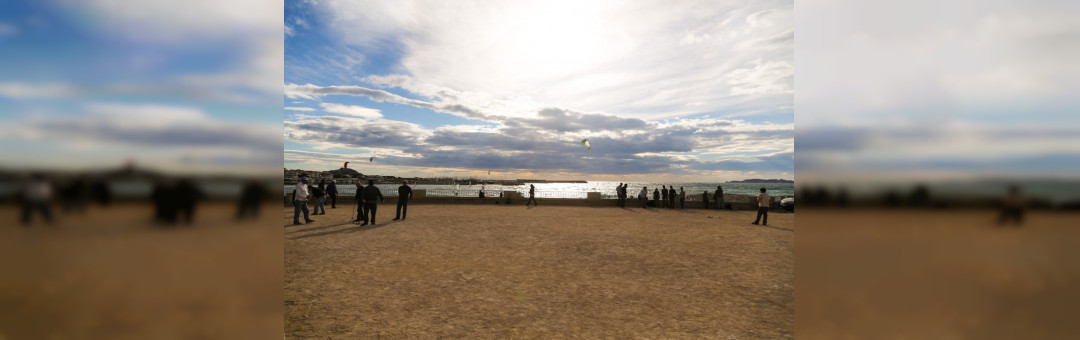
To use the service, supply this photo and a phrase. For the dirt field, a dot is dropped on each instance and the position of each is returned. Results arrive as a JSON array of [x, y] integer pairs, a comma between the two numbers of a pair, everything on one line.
[[547, 272], [111, 274], [920, 274]]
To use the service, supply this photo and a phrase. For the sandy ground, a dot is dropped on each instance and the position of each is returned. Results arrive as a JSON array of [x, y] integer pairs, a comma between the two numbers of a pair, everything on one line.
[[899, 274], [549, 272], [111, 274]]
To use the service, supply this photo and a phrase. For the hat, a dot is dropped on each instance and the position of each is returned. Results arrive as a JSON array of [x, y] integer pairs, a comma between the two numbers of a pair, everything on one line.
[[303, 178]]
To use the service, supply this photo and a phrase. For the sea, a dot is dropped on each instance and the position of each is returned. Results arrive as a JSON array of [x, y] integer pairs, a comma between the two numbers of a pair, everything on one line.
[[573, 190]]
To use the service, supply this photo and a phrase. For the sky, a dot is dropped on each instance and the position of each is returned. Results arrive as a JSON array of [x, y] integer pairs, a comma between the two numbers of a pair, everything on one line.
[[683, 91], [925, 90], [191, 88]]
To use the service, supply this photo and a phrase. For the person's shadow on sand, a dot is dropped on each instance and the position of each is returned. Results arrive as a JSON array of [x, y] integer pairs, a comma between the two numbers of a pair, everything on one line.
[[353, 229]]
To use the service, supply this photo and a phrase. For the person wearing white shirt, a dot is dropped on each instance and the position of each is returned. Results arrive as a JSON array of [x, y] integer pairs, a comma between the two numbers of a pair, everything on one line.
[[300, 197], [763, 201]]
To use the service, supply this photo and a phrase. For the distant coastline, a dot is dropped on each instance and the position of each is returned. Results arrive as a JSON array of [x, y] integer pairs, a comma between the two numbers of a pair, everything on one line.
[[758, 180]]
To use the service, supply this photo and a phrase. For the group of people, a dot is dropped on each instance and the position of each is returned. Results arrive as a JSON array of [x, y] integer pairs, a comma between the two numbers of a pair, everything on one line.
[[367, 200]]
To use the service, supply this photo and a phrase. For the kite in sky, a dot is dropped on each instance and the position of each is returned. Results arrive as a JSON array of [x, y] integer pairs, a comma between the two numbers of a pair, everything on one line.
[[372, 159], [585, 142], [346, 165]]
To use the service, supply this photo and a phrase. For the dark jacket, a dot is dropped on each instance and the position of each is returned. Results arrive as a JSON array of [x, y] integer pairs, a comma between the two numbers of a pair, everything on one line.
[[371, 193], [656, 194], [359, 194], [331, 189], [719, 195], [663, 193], [404, 192], [316, 192]]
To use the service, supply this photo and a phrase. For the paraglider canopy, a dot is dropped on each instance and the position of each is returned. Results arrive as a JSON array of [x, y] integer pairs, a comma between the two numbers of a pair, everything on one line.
[[346, 165], [585, 142]]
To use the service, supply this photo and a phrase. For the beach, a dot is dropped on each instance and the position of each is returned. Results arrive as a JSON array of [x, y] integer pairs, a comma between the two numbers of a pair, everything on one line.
[[114, 274], [497, 271], [936, 274]]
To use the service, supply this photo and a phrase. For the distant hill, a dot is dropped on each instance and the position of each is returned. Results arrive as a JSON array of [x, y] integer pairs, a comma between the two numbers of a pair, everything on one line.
[[346, 173], [758, 180]]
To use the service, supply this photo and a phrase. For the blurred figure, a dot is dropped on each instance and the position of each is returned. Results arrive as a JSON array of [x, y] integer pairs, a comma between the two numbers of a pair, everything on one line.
[[705, 198], [165, 204], [920, 196], [718, 196], [320, 199], [101, 192], [358, 200], [250, 200], [35, 197], [1012, 208], [187, 195], [74, 195], [404, 195]]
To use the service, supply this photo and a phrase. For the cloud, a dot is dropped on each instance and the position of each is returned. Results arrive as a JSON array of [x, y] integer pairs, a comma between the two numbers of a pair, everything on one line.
[[352, 110], [295, 108]]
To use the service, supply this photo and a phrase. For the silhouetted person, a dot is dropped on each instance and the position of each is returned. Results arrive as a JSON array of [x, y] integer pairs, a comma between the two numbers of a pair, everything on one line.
[[842, 197], [532, 196], [664, 197], [920, 196], [322, 185], [1012, 207], [36, 195], [331, 191], [165, 205], [101, 192], [358, 199], [763, 201], [404, 195], [656, 197], [371, 193], [705, 198], [719, 197], [187, 195], [250, 200], [300, 196], [619, 195], [643, 196], [320, 200], [682, 198], [892, 199], [75, 195]]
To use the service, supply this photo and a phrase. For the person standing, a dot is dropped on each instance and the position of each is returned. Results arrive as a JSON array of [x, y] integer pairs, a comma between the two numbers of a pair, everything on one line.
[[719, 197], [656, 197], [705, 198], [643, 196], [371, 193], [36, 196], [763, 201], [671, 198], [532, 196], [404, 193], [682, 198], [618, 195], [320, 199], [250, 200], [361, 210], [1012, 208], [300, 197], [331, 190]]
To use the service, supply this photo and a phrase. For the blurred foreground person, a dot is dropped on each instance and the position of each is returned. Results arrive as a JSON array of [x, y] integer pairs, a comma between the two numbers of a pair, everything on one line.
[[1012, 208], [250, 200], [187, 195], [164, 202], [35, 197]]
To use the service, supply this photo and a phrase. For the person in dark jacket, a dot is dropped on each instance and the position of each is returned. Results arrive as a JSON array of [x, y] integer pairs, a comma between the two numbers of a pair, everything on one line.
[[361, 210], [719, 197], [331, 190], [320, 200], [404, 194], [187, 194], [656, 197], [682, 198], [250, 200], [532, 196], [705, 198], [371, 193], [671, 198]]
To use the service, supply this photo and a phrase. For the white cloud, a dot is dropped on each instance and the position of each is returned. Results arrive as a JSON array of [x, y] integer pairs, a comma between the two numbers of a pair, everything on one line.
[[295, 108], [352, 110], [596, 56], [29, 91]]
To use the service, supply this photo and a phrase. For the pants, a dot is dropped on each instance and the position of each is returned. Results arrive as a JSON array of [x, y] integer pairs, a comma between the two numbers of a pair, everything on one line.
[[532, 199], [28, 210], [719, 204], [361, 212], [1016, 215], [402, 208], [706, 203], [369, 211], [763, 215], [333, 201], [682, 203], [644, 203], [319, 205], [298, 207]]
